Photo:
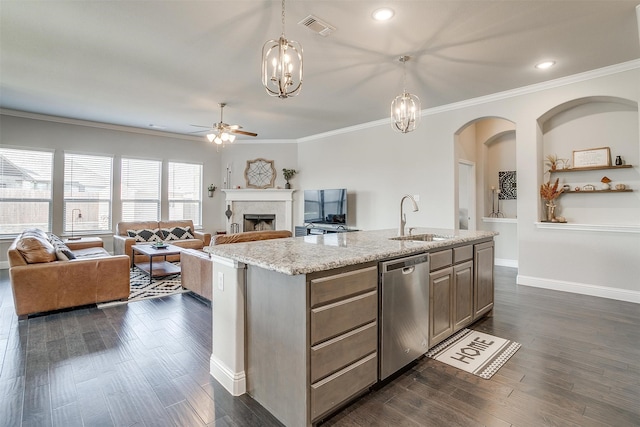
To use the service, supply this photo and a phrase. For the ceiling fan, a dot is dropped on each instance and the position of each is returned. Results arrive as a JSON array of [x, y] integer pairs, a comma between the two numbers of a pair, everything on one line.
[[223, 132]]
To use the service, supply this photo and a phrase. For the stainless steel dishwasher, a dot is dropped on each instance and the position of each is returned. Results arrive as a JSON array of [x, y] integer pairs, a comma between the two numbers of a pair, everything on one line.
[[404, 312]]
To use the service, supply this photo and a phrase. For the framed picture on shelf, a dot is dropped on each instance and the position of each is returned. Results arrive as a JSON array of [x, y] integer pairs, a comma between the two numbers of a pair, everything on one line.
[[592, 157]]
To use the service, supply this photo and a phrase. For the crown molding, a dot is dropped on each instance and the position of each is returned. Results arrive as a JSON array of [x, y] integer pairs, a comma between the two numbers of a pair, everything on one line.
[[538, 87], [99, 125]]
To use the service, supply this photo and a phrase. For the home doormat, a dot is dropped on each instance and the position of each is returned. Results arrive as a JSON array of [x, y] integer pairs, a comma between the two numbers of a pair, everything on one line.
[[141, 289], [474, 352]]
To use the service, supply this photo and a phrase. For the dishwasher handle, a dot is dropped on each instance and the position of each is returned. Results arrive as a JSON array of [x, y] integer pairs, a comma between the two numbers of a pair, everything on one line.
[[408, 270]]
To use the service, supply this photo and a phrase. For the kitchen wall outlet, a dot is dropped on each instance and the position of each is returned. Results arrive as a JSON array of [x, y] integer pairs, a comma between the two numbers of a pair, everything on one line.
[[416, 197], [220, 280]]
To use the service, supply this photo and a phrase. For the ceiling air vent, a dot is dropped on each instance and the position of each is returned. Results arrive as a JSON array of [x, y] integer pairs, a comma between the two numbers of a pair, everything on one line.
[[317, 26]]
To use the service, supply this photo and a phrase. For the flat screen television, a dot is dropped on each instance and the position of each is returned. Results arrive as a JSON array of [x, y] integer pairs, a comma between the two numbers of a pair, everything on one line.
[[325, 206]]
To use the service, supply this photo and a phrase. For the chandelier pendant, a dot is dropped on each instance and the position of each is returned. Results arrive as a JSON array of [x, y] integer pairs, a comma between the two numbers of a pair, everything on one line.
[[282, 66], [405, 108]]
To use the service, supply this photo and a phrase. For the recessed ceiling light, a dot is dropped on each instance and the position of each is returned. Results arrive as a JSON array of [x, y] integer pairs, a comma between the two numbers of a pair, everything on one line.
[[383, 14], [546, 64]]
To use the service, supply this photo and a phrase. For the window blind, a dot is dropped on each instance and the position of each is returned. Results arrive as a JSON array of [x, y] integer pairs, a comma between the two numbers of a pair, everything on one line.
[[140, 189], [25, 190], [185, 192], [87, 193]]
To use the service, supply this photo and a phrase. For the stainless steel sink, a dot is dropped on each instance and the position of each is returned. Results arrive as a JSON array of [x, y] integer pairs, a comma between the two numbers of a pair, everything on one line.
[[424, 237]]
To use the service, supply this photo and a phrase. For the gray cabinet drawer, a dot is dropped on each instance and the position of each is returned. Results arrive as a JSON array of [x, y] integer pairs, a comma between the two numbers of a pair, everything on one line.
[[339, 352], [462, 253], [334, 319], [344, 384], [339, 286], [440, 259]]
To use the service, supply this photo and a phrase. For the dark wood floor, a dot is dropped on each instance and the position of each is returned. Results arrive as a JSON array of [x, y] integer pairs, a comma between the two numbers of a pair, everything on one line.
[[147, 364]]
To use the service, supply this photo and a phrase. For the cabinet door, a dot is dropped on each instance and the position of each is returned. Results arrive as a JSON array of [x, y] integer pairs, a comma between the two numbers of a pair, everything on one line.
[[483, 279], [440, 305], [462, 295]]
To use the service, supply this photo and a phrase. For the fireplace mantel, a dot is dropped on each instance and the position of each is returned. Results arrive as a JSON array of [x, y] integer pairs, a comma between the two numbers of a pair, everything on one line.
[[267, 194], [261, 201]]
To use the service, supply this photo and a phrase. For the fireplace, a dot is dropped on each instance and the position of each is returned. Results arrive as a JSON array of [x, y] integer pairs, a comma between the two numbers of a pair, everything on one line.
[[259, 222], [270, 201]]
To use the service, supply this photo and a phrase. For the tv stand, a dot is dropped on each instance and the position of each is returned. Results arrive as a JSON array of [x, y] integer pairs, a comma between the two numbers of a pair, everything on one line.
[[321, 229]]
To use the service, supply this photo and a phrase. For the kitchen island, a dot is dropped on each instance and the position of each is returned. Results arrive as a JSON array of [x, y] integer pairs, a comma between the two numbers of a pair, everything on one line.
[[295, 321]]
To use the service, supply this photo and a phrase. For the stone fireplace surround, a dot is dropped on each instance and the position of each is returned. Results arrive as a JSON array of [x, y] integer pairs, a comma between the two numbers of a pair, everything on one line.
[[260, 201]]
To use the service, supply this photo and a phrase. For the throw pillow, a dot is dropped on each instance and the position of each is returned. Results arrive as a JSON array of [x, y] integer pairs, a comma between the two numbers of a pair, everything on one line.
[[146, 235], [63, 253], [36, 250], [178, 233]]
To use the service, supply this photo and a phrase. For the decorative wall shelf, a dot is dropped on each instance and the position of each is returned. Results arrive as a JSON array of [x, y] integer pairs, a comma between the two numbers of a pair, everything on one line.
[[608, 228], [502, 220], [591, 168], [626, 190]]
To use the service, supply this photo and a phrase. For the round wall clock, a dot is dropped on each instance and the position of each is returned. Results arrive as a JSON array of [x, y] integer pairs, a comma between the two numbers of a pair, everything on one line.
[[260, 173]]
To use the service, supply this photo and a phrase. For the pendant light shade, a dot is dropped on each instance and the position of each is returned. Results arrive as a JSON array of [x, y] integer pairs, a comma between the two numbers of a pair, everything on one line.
[[405, 108], [282, 66]]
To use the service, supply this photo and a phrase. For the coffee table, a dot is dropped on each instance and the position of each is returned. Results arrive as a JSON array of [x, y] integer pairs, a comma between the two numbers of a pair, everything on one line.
[[158, 268]]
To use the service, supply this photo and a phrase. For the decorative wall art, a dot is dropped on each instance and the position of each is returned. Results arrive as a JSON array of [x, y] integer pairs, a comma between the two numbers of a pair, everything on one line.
[[593, 157], [508, 186], [260, 173]]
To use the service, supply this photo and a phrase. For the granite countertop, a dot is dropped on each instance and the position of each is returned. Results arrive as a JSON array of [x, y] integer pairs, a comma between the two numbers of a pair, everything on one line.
[[308, 254]]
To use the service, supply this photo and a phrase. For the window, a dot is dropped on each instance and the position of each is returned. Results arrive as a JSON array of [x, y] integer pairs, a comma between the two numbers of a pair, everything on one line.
[[87, 193], [25, 190], [185, 192], [140, 190]]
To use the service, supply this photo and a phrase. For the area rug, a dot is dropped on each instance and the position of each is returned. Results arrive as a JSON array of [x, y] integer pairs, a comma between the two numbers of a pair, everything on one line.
[[474, 352], [141, 289]]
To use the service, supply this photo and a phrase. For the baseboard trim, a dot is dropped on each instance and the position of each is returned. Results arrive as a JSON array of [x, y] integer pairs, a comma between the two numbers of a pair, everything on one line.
[[580, 288], [234, 382], [503, 262]]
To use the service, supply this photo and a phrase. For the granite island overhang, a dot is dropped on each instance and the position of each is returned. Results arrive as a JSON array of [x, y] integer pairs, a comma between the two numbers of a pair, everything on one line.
[[279, 328], [309, 254]]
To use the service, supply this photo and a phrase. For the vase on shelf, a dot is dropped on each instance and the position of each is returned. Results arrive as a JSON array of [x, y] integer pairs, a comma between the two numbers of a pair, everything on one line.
[[287, 185], [551, 209], [618, 161]]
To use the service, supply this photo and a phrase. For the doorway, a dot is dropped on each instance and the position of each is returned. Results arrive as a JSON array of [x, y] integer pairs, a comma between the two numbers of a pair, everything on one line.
[[466, 195]]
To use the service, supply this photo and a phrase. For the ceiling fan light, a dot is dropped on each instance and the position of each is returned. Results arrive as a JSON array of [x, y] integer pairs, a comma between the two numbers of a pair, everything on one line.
[[217, 140], [211, 136], [232, 137]]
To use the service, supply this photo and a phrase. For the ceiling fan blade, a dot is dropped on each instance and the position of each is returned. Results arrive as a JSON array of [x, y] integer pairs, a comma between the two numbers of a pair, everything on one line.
[[234, 127], [200, 126], [243, 132], [203, 130]]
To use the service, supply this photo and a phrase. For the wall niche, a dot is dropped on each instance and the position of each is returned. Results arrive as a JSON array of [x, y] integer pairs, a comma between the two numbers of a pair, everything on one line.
[[589, 123]]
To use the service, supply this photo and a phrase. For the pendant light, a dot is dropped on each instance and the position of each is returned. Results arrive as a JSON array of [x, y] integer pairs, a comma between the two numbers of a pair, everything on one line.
[[282, 66], [405, 108]]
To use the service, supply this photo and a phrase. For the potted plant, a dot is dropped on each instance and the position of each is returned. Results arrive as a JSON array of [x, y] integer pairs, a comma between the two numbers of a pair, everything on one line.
[[549, 193], [551, 161], [211, 189], [288, 174]]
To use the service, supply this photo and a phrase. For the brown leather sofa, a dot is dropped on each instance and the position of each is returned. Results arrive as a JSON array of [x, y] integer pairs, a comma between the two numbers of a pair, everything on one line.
[[42, 281], [142, 232], [196, 265]]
